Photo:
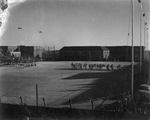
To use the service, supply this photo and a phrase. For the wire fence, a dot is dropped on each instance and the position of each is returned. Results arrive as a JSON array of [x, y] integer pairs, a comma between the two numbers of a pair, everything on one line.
[[50, 102], [123, 103]]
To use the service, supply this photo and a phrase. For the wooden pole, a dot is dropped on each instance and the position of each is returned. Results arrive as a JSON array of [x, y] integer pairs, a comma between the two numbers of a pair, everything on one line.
[[141, 16], [70, 103], [36, 95], [44, 101], [21, 100], [144, 41], [19, 39], [91, 103], [132, 74]]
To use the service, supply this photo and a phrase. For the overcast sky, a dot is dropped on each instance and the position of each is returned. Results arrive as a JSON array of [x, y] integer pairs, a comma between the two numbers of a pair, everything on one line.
[[73, 22]]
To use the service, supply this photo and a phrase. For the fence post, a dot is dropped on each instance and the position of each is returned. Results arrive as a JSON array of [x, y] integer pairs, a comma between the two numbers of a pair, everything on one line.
[[91, 103], [21, 100], [44, 101], [36, 95], [70, 103]]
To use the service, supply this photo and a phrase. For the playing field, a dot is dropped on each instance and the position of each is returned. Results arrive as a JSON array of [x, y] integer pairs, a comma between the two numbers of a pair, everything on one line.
[[57, 82]]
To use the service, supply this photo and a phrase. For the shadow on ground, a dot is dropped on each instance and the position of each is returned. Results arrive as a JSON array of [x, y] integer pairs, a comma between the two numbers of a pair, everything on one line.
[[105, 84]]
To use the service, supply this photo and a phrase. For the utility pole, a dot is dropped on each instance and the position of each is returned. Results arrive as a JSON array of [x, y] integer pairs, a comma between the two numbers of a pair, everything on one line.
[[141, 21], [132, 74], [145, 28], [19, 29], [144, 38]]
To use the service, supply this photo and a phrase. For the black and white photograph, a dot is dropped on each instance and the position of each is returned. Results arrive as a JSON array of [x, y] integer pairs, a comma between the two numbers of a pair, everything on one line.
[[74, 60]]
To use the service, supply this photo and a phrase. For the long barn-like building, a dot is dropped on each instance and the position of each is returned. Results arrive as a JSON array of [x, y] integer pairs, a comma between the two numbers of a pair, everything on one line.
[[83, 53], [100, 53]]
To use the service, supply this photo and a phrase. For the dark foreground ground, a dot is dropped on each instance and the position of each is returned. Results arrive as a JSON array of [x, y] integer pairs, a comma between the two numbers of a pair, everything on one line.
[[14, 112]]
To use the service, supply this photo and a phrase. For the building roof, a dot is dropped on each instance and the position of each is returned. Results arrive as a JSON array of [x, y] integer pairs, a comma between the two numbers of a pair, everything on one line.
[[105, 48], [82, 48]]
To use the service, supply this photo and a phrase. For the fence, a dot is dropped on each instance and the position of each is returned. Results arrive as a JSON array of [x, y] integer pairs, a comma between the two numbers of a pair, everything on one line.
[[115, 102], [65, 102]]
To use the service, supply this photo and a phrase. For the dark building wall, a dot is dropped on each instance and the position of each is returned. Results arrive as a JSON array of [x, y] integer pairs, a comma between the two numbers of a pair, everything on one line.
[[4, 49], [26, 51], [83, 53], [124, 53], [94, 53], [118, 53], [80, 55], [50, 55]]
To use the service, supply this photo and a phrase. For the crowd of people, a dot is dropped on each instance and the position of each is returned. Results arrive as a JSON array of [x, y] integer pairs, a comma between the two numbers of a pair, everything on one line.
[[95, 66], [30, 64], [21, 64]]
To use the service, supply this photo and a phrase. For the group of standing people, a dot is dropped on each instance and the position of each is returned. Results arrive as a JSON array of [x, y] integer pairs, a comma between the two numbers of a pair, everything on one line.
[[22, 64], [96, 66], [26, 64]]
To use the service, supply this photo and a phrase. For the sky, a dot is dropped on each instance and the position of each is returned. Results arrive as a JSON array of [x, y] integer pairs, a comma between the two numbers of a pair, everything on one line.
[[73, 23]]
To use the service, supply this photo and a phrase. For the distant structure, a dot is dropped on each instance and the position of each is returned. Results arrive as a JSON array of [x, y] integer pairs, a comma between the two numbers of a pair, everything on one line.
[[83, 53], [26, 51], [99, 53], [38, 51], [15, 54], [147, 55], [123, 53], [106, 53], [76, 53], [50, 54]]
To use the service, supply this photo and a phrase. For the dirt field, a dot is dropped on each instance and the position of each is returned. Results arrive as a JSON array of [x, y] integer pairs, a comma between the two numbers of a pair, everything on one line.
[[58, 82]]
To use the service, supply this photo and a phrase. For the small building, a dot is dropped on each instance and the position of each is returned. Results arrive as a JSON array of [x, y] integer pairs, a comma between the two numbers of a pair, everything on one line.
[[26, 51], [15, 54], [38, 50], [106, 53], [83, 53]]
